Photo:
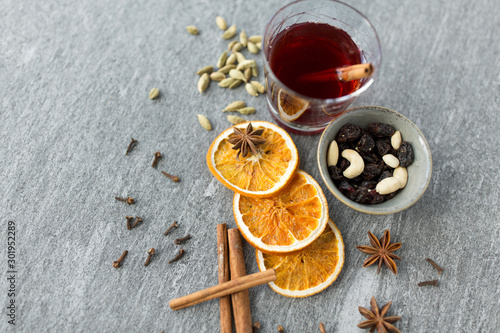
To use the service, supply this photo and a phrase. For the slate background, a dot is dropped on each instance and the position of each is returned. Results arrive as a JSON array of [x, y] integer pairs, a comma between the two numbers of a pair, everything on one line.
[[74, 81]]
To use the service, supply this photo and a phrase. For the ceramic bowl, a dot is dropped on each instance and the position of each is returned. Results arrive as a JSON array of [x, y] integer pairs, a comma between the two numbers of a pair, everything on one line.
[[419, 173]]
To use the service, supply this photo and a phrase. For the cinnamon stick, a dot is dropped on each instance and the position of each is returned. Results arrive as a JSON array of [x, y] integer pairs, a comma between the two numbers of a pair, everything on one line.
[[355, 72], [223, 263], [348, 73], [224, 289], [241, 300]]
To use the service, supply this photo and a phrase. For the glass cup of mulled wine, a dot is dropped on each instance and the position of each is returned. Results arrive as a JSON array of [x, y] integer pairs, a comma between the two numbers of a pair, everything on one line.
[[319, 56]]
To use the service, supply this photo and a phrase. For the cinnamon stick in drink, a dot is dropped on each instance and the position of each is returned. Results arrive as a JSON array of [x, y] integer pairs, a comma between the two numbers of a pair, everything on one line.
[[223, 263], [348, 73], [240, 300], [355, 72]]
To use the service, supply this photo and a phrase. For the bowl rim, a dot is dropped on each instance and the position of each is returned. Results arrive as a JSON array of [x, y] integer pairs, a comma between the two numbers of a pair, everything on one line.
[[350, 203]]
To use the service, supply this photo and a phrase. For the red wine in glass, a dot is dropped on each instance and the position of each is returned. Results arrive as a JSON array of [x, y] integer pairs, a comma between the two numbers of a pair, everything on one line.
[[307, 48]]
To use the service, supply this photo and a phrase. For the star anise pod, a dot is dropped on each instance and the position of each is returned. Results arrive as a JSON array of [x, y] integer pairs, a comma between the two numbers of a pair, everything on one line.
[[246, 140], [377, 319], [381, 251]]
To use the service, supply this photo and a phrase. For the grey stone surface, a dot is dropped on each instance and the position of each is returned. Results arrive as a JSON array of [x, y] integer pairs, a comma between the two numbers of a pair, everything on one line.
[[74, 81]]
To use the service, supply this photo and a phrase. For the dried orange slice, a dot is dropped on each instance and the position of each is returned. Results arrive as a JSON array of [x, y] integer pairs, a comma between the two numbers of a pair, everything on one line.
[[291, 107], [260, 175], [288, 221], [309, 271]]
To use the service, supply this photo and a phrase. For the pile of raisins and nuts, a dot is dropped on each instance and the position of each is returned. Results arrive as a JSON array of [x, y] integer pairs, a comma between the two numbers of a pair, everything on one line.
[[369, 165]]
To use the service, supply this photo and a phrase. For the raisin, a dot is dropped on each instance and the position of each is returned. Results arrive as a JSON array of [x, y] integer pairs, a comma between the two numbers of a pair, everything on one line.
[[385, 167], [348, 132], [364, 195], [393, 152], [361, 195], [344, 164], [369, 184], [405, 154], [381, 130], [366, 143], [345, 145], [383, 147], [384, 175], [370, 158], [346, 189], [356, 181], [388, 169], [390, 195], [371, 171], [376, 197], [335, 172]]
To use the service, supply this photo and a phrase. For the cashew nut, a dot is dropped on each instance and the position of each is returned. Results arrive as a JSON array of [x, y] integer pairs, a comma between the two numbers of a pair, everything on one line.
[[391, 160], [333, 154], [396, 140], [401, 174], [357, 165], [388, 185]]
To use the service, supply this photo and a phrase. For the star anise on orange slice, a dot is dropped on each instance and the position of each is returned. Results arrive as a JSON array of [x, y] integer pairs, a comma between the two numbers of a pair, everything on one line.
[[246, 140], [377, 318], [381, 251]]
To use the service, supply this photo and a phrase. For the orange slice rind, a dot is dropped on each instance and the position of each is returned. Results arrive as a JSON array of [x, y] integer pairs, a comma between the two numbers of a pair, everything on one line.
[[288, 221], [309, 271], [260, 175], [291, 107]]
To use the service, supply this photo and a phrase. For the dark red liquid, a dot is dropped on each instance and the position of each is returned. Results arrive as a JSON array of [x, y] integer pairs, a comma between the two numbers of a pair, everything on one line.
[[306, 48]]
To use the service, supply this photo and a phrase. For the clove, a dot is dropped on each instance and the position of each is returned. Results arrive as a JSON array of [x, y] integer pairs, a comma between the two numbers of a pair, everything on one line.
[[127, 200], [156, 158], [174, 225], [174, 178], [178, 256], [129, 222], [183, 239], [436, 266], [136, 222], [256, 327], [129, 148], [428, 283], [150, 255], [118, 263]]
